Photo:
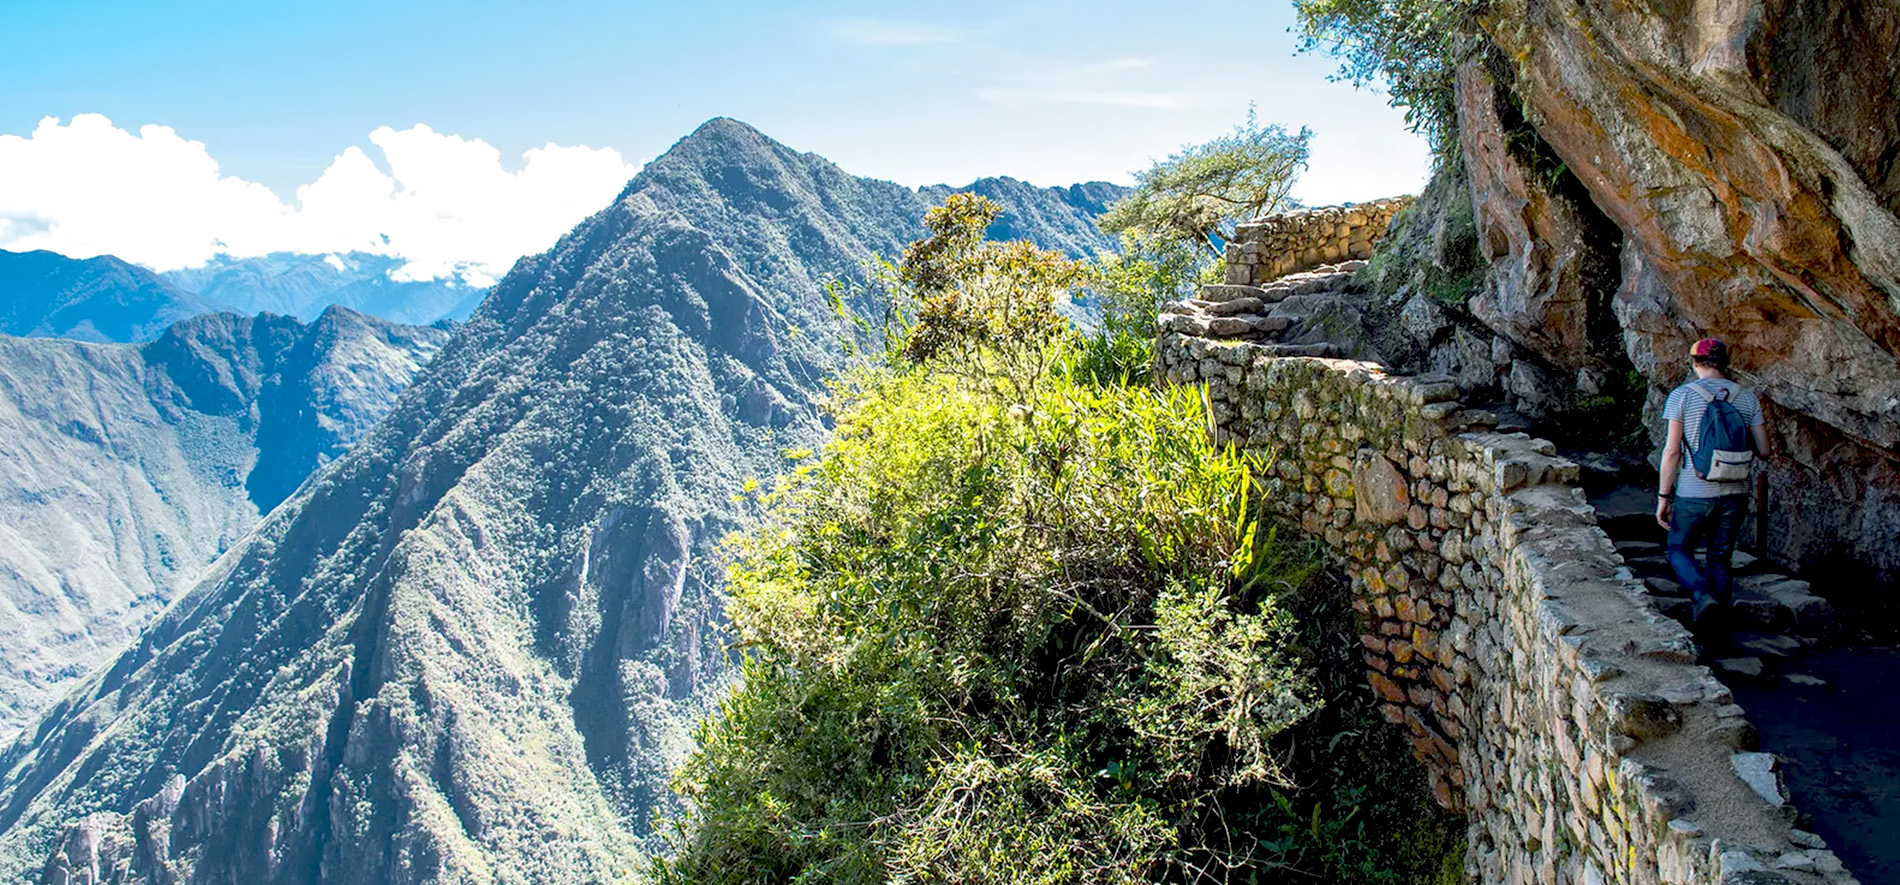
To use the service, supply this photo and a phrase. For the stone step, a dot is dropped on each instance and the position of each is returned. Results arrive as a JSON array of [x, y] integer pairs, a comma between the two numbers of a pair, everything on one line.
[[1793, 601], [1246, 326], [1739, 668], [1235, 307], [1678, 607], [1631, 548], [1220, 293], [1666, 587], [1766, 645]]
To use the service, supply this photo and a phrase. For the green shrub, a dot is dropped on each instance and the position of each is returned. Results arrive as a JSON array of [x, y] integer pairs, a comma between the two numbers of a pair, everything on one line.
[[1032, 632]]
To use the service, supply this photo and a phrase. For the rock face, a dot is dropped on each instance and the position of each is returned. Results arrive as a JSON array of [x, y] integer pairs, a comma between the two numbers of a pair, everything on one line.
[[1551, 262], [1746, 152], [124, 470], [468, 650]]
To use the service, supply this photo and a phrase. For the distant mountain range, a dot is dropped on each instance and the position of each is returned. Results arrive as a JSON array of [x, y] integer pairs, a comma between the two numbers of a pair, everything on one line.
[[470, 649], [124, 470], [301, 285], [48, 295]]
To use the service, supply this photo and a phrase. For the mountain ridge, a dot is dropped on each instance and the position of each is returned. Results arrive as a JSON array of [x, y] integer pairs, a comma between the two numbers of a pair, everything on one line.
[[103, 299], [470, 649], [302, 284], [128, 468]]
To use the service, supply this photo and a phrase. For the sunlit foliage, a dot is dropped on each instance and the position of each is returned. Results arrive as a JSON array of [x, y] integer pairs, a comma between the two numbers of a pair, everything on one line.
[[1015, 628], [1195, 197]]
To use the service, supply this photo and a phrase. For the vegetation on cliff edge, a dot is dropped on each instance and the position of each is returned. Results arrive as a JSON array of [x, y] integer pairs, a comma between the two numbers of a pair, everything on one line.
[[1021, 623]]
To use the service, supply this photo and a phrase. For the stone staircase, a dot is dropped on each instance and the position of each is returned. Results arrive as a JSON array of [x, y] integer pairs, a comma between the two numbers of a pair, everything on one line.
[[1250, 313], [1774, 618], [1817, 695], [1822, 744]]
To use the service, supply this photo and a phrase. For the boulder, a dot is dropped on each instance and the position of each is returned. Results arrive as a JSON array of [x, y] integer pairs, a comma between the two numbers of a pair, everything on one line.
[[1336, 319], [1422, 319], [1534, 390]]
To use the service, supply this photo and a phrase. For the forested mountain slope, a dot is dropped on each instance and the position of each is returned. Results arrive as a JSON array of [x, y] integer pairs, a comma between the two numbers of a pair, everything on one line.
[[124, 470], [466, 650]]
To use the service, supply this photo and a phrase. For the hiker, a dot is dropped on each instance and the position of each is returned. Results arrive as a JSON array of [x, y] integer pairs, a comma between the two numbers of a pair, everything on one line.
[[1718, 424]]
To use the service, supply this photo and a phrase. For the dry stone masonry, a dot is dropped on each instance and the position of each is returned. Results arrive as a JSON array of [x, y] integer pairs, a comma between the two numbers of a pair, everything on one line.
[[1546, 695], [1274, 246], [1255, 313]]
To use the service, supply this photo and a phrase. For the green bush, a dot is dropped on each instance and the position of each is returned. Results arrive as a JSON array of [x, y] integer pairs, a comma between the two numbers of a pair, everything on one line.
[[1022, 633]]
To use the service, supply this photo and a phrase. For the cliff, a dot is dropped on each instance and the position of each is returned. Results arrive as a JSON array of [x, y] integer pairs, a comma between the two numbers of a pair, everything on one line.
[[1641, 175]]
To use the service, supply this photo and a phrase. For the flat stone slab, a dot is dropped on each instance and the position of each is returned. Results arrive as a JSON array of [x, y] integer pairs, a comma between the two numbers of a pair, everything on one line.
[[1750, 668], [1245, 326], [1768, 645], [1183, 324], [1224, 292], [1236, 306], [1757, 770], [1665, 587]]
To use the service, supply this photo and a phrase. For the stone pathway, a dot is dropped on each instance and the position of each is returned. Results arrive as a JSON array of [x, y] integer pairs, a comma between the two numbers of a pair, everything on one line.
[[1820, 697], [1259, 313]]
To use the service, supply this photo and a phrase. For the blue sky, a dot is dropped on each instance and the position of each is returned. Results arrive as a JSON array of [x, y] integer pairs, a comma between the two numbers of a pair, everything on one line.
[[1046, 90]]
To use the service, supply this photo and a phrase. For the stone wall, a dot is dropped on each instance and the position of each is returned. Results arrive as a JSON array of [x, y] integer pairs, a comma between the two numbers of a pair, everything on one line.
[[1273, 246], [1546, 696]]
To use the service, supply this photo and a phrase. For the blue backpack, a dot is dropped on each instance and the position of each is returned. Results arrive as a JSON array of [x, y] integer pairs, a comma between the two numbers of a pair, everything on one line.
[[1723, 452]]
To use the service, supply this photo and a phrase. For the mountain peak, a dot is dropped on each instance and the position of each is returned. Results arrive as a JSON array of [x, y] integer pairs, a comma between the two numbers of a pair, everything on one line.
[[501, 602], [721, 141], [726, 129]]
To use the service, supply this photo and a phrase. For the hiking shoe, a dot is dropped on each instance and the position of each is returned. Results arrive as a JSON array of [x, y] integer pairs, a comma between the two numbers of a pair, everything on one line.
[[1703, 611]]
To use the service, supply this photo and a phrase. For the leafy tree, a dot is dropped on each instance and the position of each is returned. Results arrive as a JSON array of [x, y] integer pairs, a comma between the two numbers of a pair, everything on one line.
[[1195, 197], [1412, 46], [983, 307]]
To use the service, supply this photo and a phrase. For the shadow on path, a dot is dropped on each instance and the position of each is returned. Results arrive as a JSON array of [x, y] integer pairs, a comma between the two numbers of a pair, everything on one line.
[[1822, 694]]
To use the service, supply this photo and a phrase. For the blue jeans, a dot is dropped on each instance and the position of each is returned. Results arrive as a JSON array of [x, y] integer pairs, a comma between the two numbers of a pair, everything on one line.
[[1716, 522]]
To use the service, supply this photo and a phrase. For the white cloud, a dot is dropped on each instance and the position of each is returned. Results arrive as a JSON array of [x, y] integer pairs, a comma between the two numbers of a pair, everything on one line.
[[880, 32], [446, 204]]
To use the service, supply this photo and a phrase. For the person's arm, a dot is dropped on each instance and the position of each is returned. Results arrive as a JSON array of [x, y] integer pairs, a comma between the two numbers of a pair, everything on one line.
[[1759, 429], [1671, 467]]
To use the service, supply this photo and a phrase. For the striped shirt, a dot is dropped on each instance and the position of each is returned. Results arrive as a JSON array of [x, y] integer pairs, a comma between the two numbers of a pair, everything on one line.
[[1687, 406]]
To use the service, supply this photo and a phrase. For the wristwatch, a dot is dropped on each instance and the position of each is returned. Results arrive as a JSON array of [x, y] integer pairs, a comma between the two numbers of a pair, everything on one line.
[[1666, 495]]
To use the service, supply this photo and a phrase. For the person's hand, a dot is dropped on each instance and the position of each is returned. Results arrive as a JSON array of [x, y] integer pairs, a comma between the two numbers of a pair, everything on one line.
[[1663, 510]]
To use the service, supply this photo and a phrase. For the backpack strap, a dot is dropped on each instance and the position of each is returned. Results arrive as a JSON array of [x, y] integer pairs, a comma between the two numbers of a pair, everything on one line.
[[1710, 395]]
